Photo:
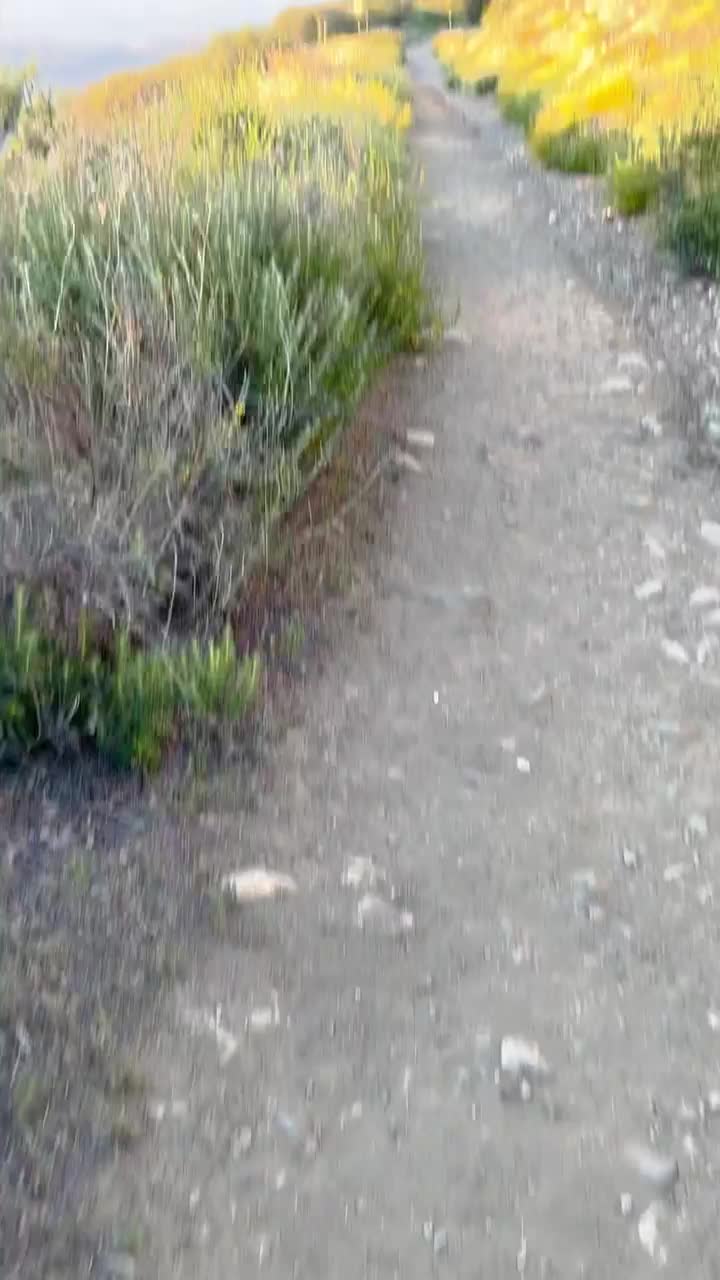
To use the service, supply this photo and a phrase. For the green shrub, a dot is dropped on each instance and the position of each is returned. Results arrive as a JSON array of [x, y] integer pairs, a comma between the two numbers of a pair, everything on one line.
[[485, 85], [692, 231], [634, 187], [573, 151], [127, 703], [520, 109]]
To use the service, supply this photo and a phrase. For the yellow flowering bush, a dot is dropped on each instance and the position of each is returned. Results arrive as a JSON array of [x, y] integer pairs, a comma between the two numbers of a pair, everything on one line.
[[650, 69]]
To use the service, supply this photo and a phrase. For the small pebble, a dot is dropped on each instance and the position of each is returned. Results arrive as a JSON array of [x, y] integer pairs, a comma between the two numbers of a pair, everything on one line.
[[649, 1236], [649, 590], [675, 652], [377, 916], [630, 859], [522, 1058], [117, 1266], [710, 533], [660, 1171], [440, 1242], [704, 597], [523, 765], [626, 1204]]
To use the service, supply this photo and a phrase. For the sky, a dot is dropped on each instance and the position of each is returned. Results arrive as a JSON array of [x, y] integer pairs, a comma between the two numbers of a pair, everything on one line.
[[74, 42], [140, 23]]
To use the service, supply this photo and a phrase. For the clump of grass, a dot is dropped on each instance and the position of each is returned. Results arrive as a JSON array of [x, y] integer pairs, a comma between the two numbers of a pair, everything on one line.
[[485, 86], [575, 150], [128, 703], [634, 186], [691, 208], [520, 109]]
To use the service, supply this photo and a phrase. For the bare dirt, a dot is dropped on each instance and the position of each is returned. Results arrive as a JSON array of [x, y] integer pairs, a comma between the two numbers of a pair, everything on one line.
[[508, 776]]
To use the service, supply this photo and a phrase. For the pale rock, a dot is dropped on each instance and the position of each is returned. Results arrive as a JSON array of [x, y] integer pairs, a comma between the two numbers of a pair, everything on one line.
[[257, 884]]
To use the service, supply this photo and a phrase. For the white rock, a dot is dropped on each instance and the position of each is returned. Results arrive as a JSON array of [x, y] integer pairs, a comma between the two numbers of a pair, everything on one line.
[[616, 386], [257, 884], [523, 765], [420, 439], [659, 1170], [710, 531], [630, 859], [261, 1019], [520, 1057], [676, 871], [651, 426], [406, 462], [374, 914], [712, 1104], [704, 597], [626, 1204], [713, 1018], [650, 589], [675, 652], [362, 873], [697, 826], [654, 546], [706, 648], [633, 360], [649, 1235]]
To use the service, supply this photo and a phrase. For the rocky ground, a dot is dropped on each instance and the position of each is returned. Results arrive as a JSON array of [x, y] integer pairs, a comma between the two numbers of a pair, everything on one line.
[[453, 1008]]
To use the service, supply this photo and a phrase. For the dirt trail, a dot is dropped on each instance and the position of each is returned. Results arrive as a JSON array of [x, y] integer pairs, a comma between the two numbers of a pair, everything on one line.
[[524, 749]]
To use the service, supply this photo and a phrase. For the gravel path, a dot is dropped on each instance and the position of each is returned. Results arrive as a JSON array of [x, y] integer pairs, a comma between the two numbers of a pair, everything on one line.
[[497, 962]]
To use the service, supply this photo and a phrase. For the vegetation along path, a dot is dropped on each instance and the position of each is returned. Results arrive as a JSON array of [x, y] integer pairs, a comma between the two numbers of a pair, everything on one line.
[[479, 1032]]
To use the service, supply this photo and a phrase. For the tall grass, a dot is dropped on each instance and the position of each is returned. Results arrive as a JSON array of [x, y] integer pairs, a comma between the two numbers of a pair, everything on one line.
[[191, 302]]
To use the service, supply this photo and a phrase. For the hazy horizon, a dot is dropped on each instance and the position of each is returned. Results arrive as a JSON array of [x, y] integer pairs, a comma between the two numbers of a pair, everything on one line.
[[79, 41]]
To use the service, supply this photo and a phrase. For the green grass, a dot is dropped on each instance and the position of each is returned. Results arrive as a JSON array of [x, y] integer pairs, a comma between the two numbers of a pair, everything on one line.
[[690, 209], [179, 344], [520, 109], [573, 151], [634, 187]]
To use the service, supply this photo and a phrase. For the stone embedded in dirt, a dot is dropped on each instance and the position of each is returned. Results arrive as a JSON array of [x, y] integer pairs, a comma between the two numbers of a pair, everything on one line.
[[523, 764], [242, 1141], [630, 859], [704, 597], [263, 1019], [675, 652], [654, 546], [405, 462], [696, 827], [660, 1171], [361, 873], [708, 646], [713, 1020], [417, 439], [375, 915], [522, 1058], [257, 884], [117, 1266], [617, 385], [712, 1102], [675, 872], [626, 1204], [633, 361], [649, 1235], [440, 1242], [710, 532], [651, 426], [650, 589]]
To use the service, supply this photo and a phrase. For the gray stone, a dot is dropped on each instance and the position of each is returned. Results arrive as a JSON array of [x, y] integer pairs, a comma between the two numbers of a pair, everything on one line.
[[117, 1266], [660, 1171], [374, 915]]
